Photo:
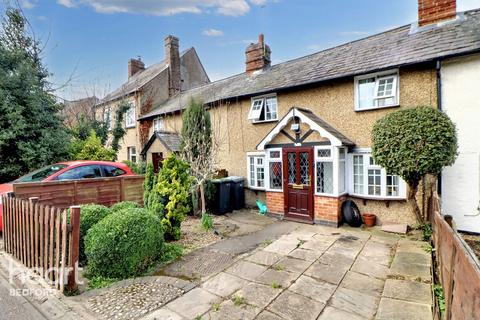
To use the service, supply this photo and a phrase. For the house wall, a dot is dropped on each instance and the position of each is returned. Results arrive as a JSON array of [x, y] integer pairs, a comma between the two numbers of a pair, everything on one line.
[[461, 101], [332, 102], [157, 146]]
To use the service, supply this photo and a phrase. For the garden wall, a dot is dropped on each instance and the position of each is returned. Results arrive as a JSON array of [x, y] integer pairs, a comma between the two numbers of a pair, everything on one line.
[[62, 194], [459, 268]]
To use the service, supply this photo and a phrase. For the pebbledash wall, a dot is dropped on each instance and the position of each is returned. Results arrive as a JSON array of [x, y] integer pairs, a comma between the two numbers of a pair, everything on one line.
[[333, 102]]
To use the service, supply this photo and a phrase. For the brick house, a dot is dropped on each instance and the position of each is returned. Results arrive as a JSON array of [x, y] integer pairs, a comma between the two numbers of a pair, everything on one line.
[[145, 87], [299, 131]]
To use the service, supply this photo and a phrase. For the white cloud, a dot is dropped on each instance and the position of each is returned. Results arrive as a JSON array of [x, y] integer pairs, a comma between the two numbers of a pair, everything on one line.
[[463, 5], [258, 2], [212, 32], [27, 4], [164, 7]]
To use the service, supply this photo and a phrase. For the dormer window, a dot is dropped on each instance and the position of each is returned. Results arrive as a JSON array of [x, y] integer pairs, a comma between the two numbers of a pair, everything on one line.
[[375, 91], [263, 109]]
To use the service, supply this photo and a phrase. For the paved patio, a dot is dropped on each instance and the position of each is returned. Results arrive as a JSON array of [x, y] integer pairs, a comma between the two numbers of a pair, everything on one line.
[[316, 272]]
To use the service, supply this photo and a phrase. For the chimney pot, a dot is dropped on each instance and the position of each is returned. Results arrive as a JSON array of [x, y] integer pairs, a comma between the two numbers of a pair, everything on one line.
[[257, 55], [433, 11], [135, 66]]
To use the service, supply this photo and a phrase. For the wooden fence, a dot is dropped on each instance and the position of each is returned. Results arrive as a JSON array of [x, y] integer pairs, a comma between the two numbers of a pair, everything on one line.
[[41, 238], [459, 268], [62, 194]]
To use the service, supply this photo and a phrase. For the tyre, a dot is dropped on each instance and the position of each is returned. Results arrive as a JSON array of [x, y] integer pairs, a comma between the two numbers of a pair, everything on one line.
[[351, 214]]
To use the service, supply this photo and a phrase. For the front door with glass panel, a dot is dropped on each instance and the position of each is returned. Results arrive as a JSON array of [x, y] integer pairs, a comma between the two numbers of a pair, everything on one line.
[[298, 191]]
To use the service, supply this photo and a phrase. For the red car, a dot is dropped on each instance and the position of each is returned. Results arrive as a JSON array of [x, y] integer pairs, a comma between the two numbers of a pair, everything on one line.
[[70, 170]]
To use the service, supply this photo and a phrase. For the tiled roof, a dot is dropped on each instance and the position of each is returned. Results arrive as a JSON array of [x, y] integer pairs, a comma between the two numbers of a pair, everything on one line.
[[170, 140], [138, 80], [390, 49]]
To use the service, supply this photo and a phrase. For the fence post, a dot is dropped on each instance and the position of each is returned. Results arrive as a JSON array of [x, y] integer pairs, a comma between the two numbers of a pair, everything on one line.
[[33, 233], [74, 247]]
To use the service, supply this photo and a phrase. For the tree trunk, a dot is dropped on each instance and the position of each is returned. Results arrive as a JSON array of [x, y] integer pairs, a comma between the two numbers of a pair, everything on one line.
[[202, 197], [412, 200]]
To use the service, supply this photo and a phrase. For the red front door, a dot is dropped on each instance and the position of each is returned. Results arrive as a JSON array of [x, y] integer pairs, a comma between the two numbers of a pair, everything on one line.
[[297, 179]]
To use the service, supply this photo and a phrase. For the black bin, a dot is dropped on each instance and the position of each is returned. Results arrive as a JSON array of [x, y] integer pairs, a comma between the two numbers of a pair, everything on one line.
[[222, 203], [237, 192]]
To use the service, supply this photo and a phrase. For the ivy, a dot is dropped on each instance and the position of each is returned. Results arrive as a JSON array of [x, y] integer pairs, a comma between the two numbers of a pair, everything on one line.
[[119, 131]]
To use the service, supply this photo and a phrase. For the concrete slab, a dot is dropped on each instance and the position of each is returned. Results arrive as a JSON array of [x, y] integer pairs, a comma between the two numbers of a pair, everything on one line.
[[259, 295], [194, 303], [350, 250], [301, 234], [264, 257], [307, 255], [411, 271], [355, 302], [395, 228], [370, 268], [405, 245], [408, 290], [363, 283], [331, 313], [402, 310], [413, 258], [292, 265], [283, 245], [246, 270], [318, 245], [163, 314], [267, 315], [228, 310], [292, 306], [314, 289], [327, 272], [273, 277], [223, 284], [334, 258]]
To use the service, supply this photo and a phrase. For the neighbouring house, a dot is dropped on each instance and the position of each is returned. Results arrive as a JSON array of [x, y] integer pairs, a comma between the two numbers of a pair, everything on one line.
[[73, 110], [145, 87], [300, 131]]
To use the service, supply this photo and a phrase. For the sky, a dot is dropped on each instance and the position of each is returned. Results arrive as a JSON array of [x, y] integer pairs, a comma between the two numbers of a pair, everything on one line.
[[88, 42]]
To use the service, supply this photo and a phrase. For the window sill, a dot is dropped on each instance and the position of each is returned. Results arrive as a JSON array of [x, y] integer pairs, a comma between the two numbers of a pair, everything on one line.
[[274, 190], [256, 188], [264, 121], [376, 108], [130, 127], [387, 200]]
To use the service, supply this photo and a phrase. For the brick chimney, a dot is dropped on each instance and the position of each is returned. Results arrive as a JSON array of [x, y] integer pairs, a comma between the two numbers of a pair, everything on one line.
[[134, 66], [172, 55], [433, 11], [257, 55]]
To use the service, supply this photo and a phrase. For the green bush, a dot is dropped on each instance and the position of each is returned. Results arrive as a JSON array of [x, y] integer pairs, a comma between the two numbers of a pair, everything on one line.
[[124, 244], [90, 215], [152, 199], [124, 205], [92, 149], [137, 167], [207, 221]]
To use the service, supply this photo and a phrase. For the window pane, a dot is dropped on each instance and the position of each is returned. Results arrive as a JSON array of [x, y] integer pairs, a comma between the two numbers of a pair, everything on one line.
[[292, 169], [260, 177], [111, 171], [256, 109], [274, 154], [358, 174], [392, 185], [325, 177], [304, 168], [271, 108], [341, 169], [252, 171], [366, 93], [374, 181], [324, 153], [275, 171], [84, 172]]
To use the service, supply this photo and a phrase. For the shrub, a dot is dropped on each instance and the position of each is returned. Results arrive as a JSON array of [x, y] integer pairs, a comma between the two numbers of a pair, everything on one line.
[[137, 167], [207, 221], [92, 149], [124, 244], [90, 215], [152, 199], [412, 143], [124, 205]]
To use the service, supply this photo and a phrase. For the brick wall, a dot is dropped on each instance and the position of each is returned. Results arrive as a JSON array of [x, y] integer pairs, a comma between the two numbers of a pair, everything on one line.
[[432, 11], [327, 209], [275, 202]]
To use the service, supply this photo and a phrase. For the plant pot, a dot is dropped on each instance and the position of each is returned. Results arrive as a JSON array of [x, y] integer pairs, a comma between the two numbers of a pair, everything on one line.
[[369, 219]]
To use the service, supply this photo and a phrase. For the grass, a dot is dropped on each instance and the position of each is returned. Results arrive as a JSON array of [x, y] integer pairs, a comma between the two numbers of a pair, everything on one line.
[[279, 267], [438, 291], [216, 307], [276, 285], [100, 282], [238, 300], [198, 318], [426, 231], [300, 242], [428, 248], [266, 242]]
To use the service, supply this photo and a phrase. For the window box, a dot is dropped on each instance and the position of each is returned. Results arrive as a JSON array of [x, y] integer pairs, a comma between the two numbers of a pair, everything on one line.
[[376, 91], [263, 109]]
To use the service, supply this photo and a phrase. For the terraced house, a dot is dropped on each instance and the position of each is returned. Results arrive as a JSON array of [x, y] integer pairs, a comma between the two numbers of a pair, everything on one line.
[[300, 131], [146, 87]]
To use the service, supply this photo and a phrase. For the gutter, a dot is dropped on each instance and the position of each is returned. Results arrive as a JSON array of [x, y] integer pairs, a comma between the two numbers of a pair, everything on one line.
[[438, 69]]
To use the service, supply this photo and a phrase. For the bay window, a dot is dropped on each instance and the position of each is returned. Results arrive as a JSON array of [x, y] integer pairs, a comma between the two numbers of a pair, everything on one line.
[[256, 172], [376, 90], [324, 170], [274, 172]]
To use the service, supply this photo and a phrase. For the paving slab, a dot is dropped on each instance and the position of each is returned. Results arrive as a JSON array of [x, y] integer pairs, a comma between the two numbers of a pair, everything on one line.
[[355, 302], [292, 306], [331, 313], [301, 234], [259, 295], [267, 315], [264, 257], [410, 270], [283, 245], [163, 314], [327, 272], [314, 289], [194, 303], [335, 258], [408, 290], [402, 310], [228, 310], [246, 270], [413, 258], [272, 276], [370, 268], [292, 265], [318, 245], [395, 228], [404, 245], [304, 254], [223, 284], [363, 283]]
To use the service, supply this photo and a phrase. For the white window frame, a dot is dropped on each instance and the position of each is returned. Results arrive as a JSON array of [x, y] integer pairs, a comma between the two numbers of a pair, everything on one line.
[[158, 124], [130, 155], [379, 76], [269, 160], [325, 159], [258, 104], [366, 153], [130, 117], [256, 156]]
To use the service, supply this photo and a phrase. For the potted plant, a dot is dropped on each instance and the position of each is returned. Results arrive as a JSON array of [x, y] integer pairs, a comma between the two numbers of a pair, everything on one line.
[[369, 219]]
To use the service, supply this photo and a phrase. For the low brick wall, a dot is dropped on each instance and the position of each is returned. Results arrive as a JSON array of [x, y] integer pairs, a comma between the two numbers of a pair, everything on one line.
[[275, 202], [328, 210]]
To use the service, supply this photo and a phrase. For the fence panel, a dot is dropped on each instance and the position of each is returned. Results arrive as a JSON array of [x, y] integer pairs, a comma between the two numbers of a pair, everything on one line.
[[32, 232]]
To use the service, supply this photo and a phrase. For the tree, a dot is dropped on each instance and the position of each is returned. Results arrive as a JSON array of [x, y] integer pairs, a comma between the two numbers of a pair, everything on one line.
[[93, 149], [412, 143], [32, 133], [199, 146]]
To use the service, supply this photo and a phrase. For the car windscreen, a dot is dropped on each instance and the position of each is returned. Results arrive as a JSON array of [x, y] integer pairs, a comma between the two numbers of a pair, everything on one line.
[[41, 174]]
